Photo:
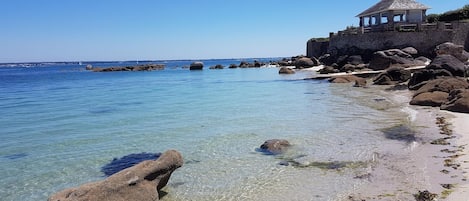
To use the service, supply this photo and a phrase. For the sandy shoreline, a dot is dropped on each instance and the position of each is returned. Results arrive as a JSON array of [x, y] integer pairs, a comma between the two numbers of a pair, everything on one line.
[[421, 164], [460, 122]]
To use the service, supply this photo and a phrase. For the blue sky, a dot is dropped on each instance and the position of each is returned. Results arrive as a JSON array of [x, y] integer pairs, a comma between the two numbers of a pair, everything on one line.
[[97, 30]]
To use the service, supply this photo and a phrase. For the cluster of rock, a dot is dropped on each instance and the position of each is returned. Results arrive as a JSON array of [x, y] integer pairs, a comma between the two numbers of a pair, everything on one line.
[[441, 83], [141, 182], [144, 67]]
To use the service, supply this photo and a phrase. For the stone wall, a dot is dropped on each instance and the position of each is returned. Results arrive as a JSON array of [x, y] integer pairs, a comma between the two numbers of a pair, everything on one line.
[[316, 47], [367, 43]]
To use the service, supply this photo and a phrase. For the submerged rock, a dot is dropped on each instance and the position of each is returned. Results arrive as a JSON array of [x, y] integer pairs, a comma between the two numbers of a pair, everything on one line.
[[274, 146], [400, 132], [141, 182]]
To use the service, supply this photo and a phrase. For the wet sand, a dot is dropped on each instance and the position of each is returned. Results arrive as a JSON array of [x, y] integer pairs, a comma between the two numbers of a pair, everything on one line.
[[460, 124]]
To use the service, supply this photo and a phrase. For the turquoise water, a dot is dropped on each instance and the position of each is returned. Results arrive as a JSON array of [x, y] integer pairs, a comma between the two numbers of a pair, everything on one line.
[[60, 124]]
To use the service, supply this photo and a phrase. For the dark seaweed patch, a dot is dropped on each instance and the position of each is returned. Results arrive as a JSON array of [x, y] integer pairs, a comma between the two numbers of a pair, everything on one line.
[[400, 132], [118, 164], [16, 156], [102, 110]]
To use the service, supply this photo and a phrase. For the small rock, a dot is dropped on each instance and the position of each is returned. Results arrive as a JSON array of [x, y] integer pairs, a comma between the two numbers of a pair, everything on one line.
[[275, 146], [196, 66], [285, 70]]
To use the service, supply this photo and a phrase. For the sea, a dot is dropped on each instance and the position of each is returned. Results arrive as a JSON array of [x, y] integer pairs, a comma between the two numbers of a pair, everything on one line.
[[60, 124]]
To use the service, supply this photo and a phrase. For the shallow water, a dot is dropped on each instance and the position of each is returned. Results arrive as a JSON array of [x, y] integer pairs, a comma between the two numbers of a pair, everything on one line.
[[60, 124]]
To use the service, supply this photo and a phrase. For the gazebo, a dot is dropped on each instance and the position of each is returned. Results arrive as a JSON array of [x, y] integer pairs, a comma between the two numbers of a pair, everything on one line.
[[384, 15]]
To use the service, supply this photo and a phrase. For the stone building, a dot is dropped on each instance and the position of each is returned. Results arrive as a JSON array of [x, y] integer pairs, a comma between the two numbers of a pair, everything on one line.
[[386, 14], [391, 24]]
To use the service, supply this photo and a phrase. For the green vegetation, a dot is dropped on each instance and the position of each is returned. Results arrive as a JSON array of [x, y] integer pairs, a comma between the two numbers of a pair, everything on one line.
[[461, 14]]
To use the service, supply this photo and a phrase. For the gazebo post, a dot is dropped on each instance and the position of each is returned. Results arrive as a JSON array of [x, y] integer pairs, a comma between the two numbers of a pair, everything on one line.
[[391, 20]]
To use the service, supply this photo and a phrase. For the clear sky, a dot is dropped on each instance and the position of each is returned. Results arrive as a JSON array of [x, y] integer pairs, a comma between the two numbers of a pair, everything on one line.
[[103, 30]]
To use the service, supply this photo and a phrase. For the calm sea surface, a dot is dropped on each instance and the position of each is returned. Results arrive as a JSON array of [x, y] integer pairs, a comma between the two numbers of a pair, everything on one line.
[[59, 124]]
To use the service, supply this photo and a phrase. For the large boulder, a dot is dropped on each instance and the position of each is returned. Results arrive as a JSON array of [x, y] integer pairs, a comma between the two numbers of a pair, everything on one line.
[[444, 85], [197, 66], [434, 99], [411, 50], [449, 63], [306, 62], [328, 70], [458, 101], [452, 49], [141, 182], [275, 146], [392, 76], [346, 79], [420, 78], [355, 60], [394, 57], [285, 70]]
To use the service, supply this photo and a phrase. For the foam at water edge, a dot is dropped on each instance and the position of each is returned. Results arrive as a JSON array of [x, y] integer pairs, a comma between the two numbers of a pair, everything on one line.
[[412, 113]]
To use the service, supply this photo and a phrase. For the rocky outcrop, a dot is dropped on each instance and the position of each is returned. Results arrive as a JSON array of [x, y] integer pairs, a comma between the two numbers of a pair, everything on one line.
[[452, 49], [285, 70], [458, 101], [138, 183], [145, 67], [433, 99], [394, 57], [420, 78], [328, 70], [449, 63], [256, 64], [411, 50], [346, 79], [218, 66], [196, 66], [392, 76], [444, 85], [275, 146], [436, 92], [306, 62]]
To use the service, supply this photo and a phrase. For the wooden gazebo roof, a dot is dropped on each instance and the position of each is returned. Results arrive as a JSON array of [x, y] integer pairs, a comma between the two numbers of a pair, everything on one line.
[[387, 5]]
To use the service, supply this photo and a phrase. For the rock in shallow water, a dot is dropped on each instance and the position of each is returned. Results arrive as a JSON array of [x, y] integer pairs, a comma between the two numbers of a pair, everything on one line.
[[274, 146], [138, 183]]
